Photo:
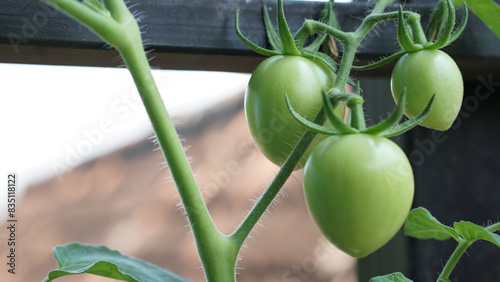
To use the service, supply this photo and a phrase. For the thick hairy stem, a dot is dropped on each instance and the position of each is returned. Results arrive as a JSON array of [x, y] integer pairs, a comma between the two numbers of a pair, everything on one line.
[[116, 25], [241, 233], [210, 243], [453, 260]]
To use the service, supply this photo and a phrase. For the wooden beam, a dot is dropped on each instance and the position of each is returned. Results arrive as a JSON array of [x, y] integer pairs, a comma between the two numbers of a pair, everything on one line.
[[199, 34]]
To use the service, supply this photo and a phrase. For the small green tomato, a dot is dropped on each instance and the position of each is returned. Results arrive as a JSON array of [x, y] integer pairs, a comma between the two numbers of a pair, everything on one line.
[[424, 73], [359, 189], [273, 128]]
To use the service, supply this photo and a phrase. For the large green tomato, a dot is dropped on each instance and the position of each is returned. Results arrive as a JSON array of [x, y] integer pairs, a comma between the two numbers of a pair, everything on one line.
[[273, 128], [425, 73], [359, 189]]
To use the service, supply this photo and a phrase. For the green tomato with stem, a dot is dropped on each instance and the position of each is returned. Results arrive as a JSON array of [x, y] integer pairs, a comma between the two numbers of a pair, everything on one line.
[[273, 128], [425, 73], [359, 190]]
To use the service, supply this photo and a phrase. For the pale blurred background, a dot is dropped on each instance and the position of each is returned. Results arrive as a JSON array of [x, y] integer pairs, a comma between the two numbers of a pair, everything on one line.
[[88, 172]]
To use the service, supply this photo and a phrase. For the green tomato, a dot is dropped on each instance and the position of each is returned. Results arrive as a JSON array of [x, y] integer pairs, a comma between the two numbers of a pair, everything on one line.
[[359, 189], [425, 73], [273, 128]]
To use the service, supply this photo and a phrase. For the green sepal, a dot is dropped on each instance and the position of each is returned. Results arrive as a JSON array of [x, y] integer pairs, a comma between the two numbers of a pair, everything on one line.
[[460, 27], [382, 62], [404, 38], [97, 6], [272, 36], [436, 21], [338, 123], [327, 60], [316, 44], [309, 124], [393, 277], [409, 124], [328, 16], [393, 118], [448, 28], [286, 37], [421, 224], [256, 48]]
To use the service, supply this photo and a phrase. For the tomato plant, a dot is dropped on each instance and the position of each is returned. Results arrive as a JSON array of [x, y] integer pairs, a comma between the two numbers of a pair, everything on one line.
[[359, 189], [358, 184], [273, 128], [425, 73]]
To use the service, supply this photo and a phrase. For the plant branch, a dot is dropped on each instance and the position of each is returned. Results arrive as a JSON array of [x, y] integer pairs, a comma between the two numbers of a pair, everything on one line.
[[210, 242], [494, 227], [453, 260], [241, 233], [417, 30]]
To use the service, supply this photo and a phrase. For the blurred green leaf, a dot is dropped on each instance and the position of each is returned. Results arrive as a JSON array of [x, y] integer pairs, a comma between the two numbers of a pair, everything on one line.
[[471, 231], [421, 224], [77, 258], [487, 10]]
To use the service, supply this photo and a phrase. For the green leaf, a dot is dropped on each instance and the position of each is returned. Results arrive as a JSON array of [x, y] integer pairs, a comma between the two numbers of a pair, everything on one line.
[[488, 11], [421, 224], [393, 277], [458, 3], [471, 231], [77, 258]]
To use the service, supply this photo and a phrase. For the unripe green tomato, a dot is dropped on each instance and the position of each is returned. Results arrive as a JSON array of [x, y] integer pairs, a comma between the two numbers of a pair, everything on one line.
[[424, 73], [273, 128], [359, 189]]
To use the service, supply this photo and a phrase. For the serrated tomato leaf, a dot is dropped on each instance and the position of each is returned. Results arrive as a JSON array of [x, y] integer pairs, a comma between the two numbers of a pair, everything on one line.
[[393, 277], [78, 258], [421, 224], [471, 231]]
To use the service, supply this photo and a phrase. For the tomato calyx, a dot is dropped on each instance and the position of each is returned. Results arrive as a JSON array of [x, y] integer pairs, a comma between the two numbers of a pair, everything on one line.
[[387, 128], [438, 34], [284, 43], [418, 40]]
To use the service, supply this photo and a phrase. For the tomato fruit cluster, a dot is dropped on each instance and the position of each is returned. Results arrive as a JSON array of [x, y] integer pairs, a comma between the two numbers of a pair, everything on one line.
[[273, 128], [423, 74], [359, 189]]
